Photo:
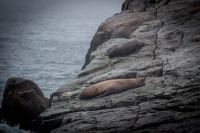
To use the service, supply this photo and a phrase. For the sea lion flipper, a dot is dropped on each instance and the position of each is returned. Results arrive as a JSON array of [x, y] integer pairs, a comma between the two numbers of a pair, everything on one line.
[[106, 93]]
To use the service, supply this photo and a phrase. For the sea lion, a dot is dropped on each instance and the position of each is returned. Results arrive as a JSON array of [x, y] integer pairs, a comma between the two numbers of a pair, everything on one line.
[[109, 87], [125, 49]]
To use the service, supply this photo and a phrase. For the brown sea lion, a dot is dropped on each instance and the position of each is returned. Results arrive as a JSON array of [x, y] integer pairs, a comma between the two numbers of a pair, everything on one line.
[[125, 49], [109, 87]]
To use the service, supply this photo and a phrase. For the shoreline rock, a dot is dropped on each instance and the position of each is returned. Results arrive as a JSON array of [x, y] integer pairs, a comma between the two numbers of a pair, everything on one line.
[[22, 102]]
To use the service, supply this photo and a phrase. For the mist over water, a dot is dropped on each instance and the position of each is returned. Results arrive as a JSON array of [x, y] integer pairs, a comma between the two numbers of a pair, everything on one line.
[[46, 41]]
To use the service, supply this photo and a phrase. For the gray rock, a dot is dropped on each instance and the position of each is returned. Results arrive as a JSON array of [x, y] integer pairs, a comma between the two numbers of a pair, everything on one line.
[[169, 102]]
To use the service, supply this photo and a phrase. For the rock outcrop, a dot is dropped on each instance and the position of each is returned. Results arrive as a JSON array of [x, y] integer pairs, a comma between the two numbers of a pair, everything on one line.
[[22, 103], [170, 100]]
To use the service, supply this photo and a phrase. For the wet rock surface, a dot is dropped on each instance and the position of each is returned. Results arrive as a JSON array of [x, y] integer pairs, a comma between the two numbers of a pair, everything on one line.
[[23, 101], [169, 102]]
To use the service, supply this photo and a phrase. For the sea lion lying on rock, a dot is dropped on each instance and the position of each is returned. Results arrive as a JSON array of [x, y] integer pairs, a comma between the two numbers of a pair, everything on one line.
[[109, 87], [125, 49]]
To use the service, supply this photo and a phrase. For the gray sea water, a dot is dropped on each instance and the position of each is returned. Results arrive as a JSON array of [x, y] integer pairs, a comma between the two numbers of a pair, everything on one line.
[[47, 41]]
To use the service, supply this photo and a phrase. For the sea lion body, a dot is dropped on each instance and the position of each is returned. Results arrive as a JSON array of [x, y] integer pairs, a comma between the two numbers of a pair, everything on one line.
[[124, 49], [109, 87]]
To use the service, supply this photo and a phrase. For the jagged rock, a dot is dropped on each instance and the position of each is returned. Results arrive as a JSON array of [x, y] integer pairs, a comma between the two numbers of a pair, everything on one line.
[[23, 101], [119, 26], [169, 102]]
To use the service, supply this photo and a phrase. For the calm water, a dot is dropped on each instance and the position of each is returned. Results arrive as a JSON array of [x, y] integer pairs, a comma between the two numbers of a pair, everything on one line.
[[48, 43]]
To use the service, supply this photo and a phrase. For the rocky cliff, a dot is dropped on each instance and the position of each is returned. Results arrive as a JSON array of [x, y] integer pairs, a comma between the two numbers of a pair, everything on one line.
[[169, 59]]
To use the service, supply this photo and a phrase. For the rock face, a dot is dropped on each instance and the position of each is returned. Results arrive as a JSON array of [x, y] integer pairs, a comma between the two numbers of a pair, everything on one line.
[[170, 100], [23, 101]]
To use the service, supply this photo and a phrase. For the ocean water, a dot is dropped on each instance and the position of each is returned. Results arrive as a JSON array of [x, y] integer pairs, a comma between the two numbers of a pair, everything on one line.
[[47, 41], [4, 128], [48, 44]]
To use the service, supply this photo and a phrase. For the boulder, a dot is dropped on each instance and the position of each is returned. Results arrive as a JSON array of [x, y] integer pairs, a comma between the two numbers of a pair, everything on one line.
[[23, 101]]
